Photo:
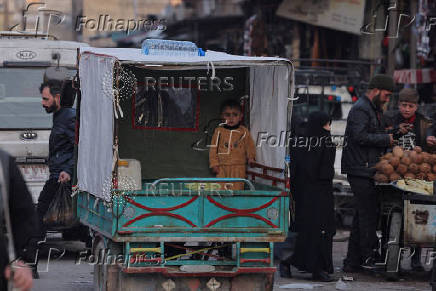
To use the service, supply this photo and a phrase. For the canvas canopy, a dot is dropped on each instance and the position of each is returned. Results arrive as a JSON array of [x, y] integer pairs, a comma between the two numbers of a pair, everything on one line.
[[219, 58], [270, 90]]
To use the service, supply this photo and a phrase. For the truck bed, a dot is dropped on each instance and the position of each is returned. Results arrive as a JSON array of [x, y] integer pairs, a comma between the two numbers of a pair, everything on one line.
[[178, 213]]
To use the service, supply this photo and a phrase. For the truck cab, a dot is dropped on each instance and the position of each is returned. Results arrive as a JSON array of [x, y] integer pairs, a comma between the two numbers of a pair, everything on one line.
[[25, 59]]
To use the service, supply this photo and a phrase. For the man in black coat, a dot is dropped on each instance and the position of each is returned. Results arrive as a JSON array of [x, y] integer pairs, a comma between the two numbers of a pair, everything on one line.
[[367, 140], [61, 144], [23, 223]]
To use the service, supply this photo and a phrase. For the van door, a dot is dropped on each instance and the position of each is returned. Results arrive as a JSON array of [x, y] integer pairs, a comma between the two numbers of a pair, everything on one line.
[[24, 124]]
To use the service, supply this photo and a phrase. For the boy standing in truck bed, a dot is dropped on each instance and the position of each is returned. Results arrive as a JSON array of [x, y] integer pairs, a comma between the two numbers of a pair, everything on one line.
[[231, 146]]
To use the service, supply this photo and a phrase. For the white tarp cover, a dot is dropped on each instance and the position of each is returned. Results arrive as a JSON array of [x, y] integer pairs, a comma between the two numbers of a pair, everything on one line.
[[269, 93], [135, 55], [94, 167]]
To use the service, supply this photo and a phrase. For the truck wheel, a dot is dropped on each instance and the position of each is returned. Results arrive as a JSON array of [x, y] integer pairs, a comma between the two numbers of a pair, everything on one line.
[[115, 248], [99, 269], [84, 234], [68, 234], [393, 248], [433, 274], [80, 232], [106, 275], [112, 270], [258, 282]]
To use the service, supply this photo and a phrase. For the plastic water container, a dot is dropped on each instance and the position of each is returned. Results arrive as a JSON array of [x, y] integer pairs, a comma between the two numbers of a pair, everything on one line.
[[287, 159], [287, 163], [162, 47], [129, 174]]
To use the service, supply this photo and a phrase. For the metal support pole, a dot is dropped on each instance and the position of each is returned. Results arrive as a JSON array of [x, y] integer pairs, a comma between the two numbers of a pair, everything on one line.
[[392, 33], [76, 12], [6, 15], [413, 12]]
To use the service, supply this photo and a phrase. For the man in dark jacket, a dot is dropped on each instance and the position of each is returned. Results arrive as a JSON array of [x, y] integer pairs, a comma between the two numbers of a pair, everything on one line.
[[23, 224], [61, 146], [367, 140]]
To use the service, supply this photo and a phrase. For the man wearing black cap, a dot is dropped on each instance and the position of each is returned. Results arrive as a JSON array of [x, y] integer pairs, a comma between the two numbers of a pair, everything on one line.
[[367, 140]]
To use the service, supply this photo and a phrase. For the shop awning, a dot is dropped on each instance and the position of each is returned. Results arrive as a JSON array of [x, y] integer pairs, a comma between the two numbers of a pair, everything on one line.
[[415, 76]]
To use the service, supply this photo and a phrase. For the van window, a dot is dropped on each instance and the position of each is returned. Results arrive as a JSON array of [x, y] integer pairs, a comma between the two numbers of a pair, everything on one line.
[[308, 103], [20, 100]]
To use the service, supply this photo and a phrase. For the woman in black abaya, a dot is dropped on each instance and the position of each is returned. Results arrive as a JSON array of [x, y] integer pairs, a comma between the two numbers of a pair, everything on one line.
[[312, 185]]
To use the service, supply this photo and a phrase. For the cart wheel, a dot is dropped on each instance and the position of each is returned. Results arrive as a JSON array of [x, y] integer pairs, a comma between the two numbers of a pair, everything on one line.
[[393, 249]]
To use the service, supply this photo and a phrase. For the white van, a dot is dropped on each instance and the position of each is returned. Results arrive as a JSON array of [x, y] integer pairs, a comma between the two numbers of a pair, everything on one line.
[[24, 124], [337, 101]]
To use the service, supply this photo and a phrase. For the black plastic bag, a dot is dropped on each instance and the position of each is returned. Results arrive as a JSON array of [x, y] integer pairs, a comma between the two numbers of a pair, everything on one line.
[[60, 213]]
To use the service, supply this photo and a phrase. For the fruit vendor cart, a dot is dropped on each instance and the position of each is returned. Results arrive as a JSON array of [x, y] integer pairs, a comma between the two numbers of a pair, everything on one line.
[[408, 220], [160, 220]]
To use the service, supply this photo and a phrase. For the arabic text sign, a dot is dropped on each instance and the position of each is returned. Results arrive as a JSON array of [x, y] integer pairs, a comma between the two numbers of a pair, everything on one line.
[[345, 15]]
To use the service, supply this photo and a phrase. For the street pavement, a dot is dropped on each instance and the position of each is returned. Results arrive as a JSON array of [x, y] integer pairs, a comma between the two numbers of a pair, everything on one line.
[[65, 274], [361, 282]]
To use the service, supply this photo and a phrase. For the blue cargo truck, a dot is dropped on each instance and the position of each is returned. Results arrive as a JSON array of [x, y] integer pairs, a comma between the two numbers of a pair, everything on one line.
[[160, 220]]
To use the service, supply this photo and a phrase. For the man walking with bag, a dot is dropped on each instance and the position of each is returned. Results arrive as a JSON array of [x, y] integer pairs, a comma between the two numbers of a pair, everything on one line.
[[367, 140], [61, 146]]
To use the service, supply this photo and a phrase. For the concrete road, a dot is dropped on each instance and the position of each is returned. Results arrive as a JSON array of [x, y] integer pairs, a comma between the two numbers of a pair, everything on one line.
[[362, 282], [65, 274]]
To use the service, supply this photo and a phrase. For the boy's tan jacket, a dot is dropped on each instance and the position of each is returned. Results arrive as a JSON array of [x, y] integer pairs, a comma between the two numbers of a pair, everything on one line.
[[231, 147]]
